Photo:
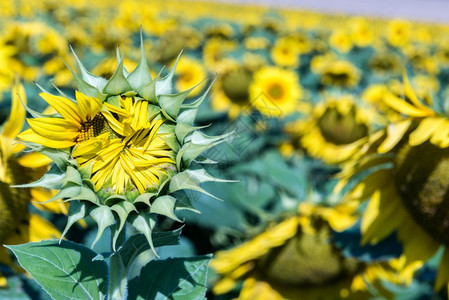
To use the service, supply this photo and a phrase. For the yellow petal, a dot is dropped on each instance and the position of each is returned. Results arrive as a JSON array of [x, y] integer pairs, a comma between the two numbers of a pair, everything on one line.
[[425, 130], [34, 160], [54, 128], [87, 106], [65, 107], [395, 132], [40, 195], [16, 118], [30, 136], [440, 136], [405, 108], [41, 229], [410, 93]]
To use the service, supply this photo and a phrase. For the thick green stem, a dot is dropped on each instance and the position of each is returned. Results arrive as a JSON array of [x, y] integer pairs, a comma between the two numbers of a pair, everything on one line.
[[118, 282]]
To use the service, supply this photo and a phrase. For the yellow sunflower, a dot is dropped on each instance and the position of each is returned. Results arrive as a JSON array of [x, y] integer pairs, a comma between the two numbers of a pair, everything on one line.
[[334, 71], [399, 32], [118, 141], [335, 130], [231, 91], [341, 41], [189, 72], [214, 52], [295, 260], [361, 33], [275, 92], [407, 185], [285, 53], [17, 224]]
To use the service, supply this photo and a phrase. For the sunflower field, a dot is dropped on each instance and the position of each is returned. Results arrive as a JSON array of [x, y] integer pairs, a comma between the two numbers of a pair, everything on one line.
[[191, 150]]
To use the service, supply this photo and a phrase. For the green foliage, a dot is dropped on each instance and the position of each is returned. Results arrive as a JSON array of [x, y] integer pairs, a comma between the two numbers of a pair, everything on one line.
[[65, 271], [173, 278]]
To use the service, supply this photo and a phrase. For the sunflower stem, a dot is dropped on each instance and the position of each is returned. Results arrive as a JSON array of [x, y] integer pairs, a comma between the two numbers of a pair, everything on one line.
[[118, 282]]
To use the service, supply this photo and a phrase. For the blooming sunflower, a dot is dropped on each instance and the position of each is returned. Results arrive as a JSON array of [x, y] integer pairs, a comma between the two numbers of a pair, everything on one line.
[[17, 224], [285, 53], [399, 32], [122, 148], [403, 171], [335, 130], [189, 72], [275, 92], [295, 260], [341, 41], [334, 71], [231, 93]]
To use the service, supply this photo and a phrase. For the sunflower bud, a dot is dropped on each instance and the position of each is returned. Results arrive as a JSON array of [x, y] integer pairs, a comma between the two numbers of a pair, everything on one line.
[[122, 148]]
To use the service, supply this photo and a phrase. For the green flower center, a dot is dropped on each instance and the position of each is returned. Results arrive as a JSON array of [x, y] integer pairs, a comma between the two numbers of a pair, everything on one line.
[[306, 260], [276, 91], [341, 78], [236, 85], [341, 129], [421, 176]]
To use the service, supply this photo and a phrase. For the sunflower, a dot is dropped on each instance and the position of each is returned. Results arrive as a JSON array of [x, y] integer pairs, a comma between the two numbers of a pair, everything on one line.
[[122, 148], [405, 182], [17, 224], [285, 53], [275, 92], [399, 32], [336, 129], [334, 71], [231, 92], [361, 33], [214, 53], [189, 72], [341, 41], [295, 260]]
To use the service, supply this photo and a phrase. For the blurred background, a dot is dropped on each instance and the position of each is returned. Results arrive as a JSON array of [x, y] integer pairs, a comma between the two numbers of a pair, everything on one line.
[[302, 87]]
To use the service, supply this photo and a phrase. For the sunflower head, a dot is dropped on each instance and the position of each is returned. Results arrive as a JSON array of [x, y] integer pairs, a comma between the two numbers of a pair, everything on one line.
[[122, 148]]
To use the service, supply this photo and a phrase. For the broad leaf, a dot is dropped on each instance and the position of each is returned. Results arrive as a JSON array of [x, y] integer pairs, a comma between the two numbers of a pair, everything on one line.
[[173, 278], [65, 271]]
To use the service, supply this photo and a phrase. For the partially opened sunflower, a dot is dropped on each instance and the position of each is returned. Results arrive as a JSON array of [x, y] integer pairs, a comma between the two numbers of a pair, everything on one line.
[[17, 224], [296, 259], [122, 148], [402, 171]]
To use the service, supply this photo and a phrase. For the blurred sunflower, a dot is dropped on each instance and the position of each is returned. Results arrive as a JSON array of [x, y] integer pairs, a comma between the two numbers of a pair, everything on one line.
[[275, 92], [172, 42], [385, 63], [189, 72], [334, 71], [406, 183], [341, 41], [17, 224], [361, 33], [231, 91], [295, 259], [399, 32], [214, 52], [285, 53], [335, 130]]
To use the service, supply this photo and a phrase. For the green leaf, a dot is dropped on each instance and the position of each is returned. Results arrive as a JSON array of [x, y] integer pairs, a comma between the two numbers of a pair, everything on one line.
[[164, 205], [122, 209], [65, 271], [82, 85], [173, 278], [138, 243]]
